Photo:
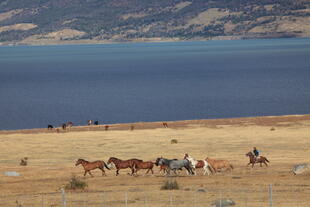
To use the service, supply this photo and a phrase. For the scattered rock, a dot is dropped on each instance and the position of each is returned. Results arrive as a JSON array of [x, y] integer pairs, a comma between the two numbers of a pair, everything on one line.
[[11, 173], [301, 168], [223, 202], [186, 189], [201, 190]]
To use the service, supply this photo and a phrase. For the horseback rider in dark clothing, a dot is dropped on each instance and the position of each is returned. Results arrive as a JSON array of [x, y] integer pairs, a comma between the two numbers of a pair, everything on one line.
[[255, 152]]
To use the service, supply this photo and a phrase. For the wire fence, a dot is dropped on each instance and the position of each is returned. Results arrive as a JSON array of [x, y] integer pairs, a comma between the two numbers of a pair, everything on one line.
[[261, 197]]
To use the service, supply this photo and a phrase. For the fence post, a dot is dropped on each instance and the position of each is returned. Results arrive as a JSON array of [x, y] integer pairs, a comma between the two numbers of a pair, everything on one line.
[[126, 199], [42, 201], [270, 195], [220, 198], [63, 195]]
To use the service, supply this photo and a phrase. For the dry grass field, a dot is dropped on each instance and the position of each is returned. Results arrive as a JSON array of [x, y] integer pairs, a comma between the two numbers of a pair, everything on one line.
[[284, 140]]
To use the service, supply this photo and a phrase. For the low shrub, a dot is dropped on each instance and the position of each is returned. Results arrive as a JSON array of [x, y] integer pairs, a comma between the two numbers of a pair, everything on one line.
[[170, 185], [75, 183], [174, 141]]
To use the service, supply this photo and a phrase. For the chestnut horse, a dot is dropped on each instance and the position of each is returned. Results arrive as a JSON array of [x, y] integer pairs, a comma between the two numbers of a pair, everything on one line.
[[219, 164], [88, 166], [123, 164], [144, 165], [254, 160]]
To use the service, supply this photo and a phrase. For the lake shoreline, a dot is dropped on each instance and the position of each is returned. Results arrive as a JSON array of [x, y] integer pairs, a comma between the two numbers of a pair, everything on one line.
[[283, 120]]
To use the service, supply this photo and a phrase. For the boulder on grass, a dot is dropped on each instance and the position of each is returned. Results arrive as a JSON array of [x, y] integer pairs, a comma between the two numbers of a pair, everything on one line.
[[301, 168]]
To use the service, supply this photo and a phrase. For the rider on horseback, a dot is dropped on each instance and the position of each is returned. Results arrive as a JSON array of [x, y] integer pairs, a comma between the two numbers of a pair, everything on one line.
[[256, 153]]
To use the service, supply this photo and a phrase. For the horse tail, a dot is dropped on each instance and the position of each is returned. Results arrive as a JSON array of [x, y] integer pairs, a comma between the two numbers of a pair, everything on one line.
[[106, 166], [266, 159], [232, 167]]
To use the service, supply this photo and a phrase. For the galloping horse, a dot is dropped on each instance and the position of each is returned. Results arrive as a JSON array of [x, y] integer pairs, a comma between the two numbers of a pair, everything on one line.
[[175, 165], [144, 165], [88, 166], [254, 160], [123, 164], [219, 164], [199, 164]]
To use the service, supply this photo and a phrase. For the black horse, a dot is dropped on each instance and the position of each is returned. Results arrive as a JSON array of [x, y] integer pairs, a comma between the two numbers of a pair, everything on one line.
[[50, 126]]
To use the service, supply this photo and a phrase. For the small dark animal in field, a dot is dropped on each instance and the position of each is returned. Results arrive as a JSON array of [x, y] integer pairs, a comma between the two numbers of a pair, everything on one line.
[[144, 165], [106, 127], [96, 122], [254, 160], [23, 161], [89, 122], [123, 164], [165, 124], [64, 126], [50, 127], [88, 166], [132, 127]]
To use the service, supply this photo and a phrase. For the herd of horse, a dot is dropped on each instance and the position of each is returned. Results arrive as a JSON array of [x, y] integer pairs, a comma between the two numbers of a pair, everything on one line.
[[210, 166]]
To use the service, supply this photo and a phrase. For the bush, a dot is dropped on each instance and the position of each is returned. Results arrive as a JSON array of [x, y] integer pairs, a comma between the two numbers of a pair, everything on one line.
[[75, 183], [174, 141], [170, 185]]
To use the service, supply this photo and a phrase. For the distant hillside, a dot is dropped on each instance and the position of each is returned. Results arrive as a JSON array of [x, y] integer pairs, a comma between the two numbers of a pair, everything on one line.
[[92, 21]]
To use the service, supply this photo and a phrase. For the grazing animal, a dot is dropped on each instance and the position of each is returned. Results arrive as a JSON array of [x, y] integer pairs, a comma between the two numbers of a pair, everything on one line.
[[219, 164], [88, 166], [165, 124], [106, 127], [132, 127], [144, 165], [50, 127], [89, 122], [96, 122], [175, 165], [208, 169], [123, 164], [254, 160], [69, 124]]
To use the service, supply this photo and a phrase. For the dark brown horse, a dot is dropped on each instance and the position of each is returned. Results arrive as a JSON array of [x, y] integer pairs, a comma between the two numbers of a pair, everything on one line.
[[123, 164], [254, 160], [144, 165], [88, 166]]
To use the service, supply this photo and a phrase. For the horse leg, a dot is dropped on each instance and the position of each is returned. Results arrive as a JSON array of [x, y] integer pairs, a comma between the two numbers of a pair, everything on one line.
[[265, 163], [260, 163], [117, 172], [103, 172], [90, 173], [85, 173]]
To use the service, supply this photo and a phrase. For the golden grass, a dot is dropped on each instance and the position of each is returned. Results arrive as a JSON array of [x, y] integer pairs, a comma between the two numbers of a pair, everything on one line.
[[52, 157]]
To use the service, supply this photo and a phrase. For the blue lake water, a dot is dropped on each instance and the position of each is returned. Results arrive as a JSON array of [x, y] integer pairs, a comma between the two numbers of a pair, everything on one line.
[[118, 83]]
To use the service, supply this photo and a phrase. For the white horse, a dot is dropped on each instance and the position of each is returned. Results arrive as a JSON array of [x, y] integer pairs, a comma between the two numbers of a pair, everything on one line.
[[199, 164]]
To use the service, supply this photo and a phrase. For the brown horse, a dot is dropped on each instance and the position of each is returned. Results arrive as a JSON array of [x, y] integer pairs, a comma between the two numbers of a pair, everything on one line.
[[123, 164], [217, 165], [144, 165], [254, 160], [88, 166]]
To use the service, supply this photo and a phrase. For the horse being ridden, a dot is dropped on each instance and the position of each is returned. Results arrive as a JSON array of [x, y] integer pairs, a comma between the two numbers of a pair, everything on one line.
[[254, 159], [123, 164], [175, 165], [144, 165], [88, 166], [199, 164]]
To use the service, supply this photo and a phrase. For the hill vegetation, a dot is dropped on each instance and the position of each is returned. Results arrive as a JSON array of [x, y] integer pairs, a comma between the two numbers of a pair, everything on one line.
[[57, 21]]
